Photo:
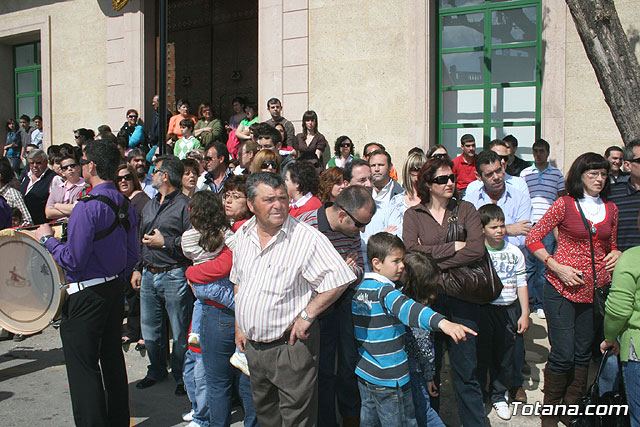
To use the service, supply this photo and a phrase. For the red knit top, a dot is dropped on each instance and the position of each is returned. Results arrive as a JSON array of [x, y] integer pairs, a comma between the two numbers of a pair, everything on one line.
[[573, 245], [312, 204]]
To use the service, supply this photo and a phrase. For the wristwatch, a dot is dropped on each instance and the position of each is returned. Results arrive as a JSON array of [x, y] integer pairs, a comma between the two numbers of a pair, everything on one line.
[[305, 316], [44, 239]]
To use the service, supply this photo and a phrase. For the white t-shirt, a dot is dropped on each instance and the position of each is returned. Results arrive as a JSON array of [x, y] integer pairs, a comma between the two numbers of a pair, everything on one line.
[[510, 266]]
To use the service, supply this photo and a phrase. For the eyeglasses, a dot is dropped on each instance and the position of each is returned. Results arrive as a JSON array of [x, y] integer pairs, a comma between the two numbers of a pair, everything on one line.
[[439, 155], [269, 163], [357, 223], [84, 162], [132, 116], [443, 179], [594, 174], [229, 197], [127, 177], [69, 166]]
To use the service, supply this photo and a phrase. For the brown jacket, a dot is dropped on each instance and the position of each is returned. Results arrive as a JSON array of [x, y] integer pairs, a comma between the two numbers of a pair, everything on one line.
[[317, 143], [421, 232]]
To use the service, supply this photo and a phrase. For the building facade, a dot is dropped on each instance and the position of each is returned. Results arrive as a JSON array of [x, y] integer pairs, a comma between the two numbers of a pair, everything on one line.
[[401, 72]]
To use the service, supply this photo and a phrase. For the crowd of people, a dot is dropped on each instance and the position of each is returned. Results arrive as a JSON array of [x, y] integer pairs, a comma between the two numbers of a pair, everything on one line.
[[327, 294]]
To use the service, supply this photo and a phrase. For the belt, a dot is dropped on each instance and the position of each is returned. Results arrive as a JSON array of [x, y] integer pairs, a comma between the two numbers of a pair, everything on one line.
[[158, 270], [74, 287], [284, 340]]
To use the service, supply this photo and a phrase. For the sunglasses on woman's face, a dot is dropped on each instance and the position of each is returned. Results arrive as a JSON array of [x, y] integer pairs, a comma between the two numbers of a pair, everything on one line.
[[443, 179], [345, 144], [268, 164], [126, 177]]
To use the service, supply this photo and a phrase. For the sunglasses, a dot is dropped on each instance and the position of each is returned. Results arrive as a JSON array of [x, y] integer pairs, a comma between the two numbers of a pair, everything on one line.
[[271, 163], [439, 155], [69, 166], [345, 144], [155, 171], [127, 177], [84, 162], [208, 158], [635, 160], [357, 223], [132, 116], [504, 158], [443, 179]]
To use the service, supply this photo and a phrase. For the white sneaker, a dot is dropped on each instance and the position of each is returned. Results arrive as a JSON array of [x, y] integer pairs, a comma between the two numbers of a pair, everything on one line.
[[540, 314], [239, 360], [193, 424], [187, 416], [502, 410]]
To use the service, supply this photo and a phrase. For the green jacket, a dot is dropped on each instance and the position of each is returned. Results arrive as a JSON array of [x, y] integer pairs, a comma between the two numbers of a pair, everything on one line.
[[623, 303]]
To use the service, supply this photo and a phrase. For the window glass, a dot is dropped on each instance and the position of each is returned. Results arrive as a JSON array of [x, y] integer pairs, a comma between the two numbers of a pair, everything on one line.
[[513, 104], [462, 68], [24, 56], [513, 25], [451, 139], [26, 83], [513, 65], [446, 4], [525, 135], [27, 106], [463, 30], [463, 106]]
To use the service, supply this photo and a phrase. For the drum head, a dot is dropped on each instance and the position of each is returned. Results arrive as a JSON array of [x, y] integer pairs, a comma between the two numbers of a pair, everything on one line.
[[30, 294]]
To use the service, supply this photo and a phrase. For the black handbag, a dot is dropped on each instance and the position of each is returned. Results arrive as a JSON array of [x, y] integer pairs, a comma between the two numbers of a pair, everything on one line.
[[599, 293], [477, 282], [618, 418]]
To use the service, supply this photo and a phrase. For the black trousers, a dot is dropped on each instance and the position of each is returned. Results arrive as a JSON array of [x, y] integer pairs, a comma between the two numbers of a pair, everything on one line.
[[91, 341]]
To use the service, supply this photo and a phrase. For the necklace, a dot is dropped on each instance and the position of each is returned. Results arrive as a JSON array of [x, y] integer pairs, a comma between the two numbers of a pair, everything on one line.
[[592, 212]]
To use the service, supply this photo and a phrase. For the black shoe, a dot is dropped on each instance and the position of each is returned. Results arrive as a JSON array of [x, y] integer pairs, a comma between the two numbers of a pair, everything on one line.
[[146, 382], [180, 391]]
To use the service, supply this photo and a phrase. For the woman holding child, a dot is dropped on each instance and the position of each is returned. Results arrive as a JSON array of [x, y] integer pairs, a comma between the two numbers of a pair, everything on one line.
[[425, 229], [585, 222]]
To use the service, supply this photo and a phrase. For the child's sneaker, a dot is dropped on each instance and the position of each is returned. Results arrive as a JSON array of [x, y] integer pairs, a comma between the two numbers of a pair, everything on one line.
[[239, 360], [502, 410], [188, 416], [194, 340]]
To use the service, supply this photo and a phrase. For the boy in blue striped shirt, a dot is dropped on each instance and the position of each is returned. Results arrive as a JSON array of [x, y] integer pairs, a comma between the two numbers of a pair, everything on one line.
[[380, 312]]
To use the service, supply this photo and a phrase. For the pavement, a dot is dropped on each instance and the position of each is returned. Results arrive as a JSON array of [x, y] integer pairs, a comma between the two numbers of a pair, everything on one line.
[[34, 389]]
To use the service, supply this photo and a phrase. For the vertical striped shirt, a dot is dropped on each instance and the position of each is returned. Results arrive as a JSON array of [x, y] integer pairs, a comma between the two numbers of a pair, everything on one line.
[[275, 283], [344, 244], [627, 199], [379, 313], [544, 186], [15, 200]]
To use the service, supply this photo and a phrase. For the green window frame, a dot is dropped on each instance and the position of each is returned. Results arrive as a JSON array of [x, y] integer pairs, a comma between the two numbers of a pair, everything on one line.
[[27, 79], [492, 96]]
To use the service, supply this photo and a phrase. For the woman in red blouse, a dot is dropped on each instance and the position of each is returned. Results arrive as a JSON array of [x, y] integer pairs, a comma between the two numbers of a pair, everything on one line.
[[568, 293]]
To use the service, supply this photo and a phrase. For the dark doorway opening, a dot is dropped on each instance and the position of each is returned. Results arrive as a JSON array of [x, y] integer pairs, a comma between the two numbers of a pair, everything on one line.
[[212, 53]]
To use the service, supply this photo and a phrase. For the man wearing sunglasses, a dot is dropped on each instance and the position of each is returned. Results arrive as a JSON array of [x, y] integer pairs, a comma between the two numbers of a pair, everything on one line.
[[64, 195], [35, 185], [216, 165], [626, 195], [342, 223]]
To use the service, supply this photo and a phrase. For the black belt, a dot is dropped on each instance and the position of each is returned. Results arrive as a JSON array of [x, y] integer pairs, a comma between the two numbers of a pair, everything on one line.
[[158, 270], [284, 340]]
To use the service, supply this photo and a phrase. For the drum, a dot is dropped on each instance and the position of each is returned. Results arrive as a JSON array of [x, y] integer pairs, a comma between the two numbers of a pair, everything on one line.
[[30, 293]]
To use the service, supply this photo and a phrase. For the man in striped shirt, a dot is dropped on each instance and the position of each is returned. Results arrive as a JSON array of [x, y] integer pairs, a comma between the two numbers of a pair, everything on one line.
[[379, 313], [626, 195], [285, 274], [341, 222], [546, 185]]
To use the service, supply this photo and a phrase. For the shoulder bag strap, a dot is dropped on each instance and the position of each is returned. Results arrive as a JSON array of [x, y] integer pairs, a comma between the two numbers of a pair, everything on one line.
[[452, 229], [586, 225]]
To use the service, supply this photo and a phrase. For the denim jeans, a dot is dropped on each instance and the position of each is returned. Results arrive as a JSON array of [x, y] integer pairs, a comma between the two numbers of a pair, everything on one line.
[[425, 414], [159, 292], [536, 270], [336, 338], [196, 317], [570, 329], [610, 375], [386, 406], [631, 374], [463, 359], [194, 376], [217, 341]]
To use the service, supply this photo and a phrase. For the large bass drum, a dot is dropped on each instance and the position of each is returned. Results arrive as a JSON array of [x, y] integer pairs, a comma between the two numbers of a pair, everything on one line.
[[30, 280]]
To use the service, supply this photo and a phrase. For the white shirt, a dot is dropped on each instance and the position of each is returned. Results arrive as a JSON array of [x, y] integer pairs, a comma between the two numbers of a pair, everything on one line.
[[383, 195], [275, 283]]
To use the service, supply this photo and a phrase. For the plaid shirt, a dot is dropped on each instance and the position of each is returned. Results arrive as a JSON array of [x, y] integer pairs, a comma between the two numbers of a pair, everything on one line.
[[15, 200]]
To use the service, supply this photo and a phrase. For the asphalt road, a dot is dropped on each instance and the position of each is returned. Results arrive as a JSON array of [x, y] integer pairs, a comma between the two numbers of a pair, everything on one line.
[[34, 389]]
